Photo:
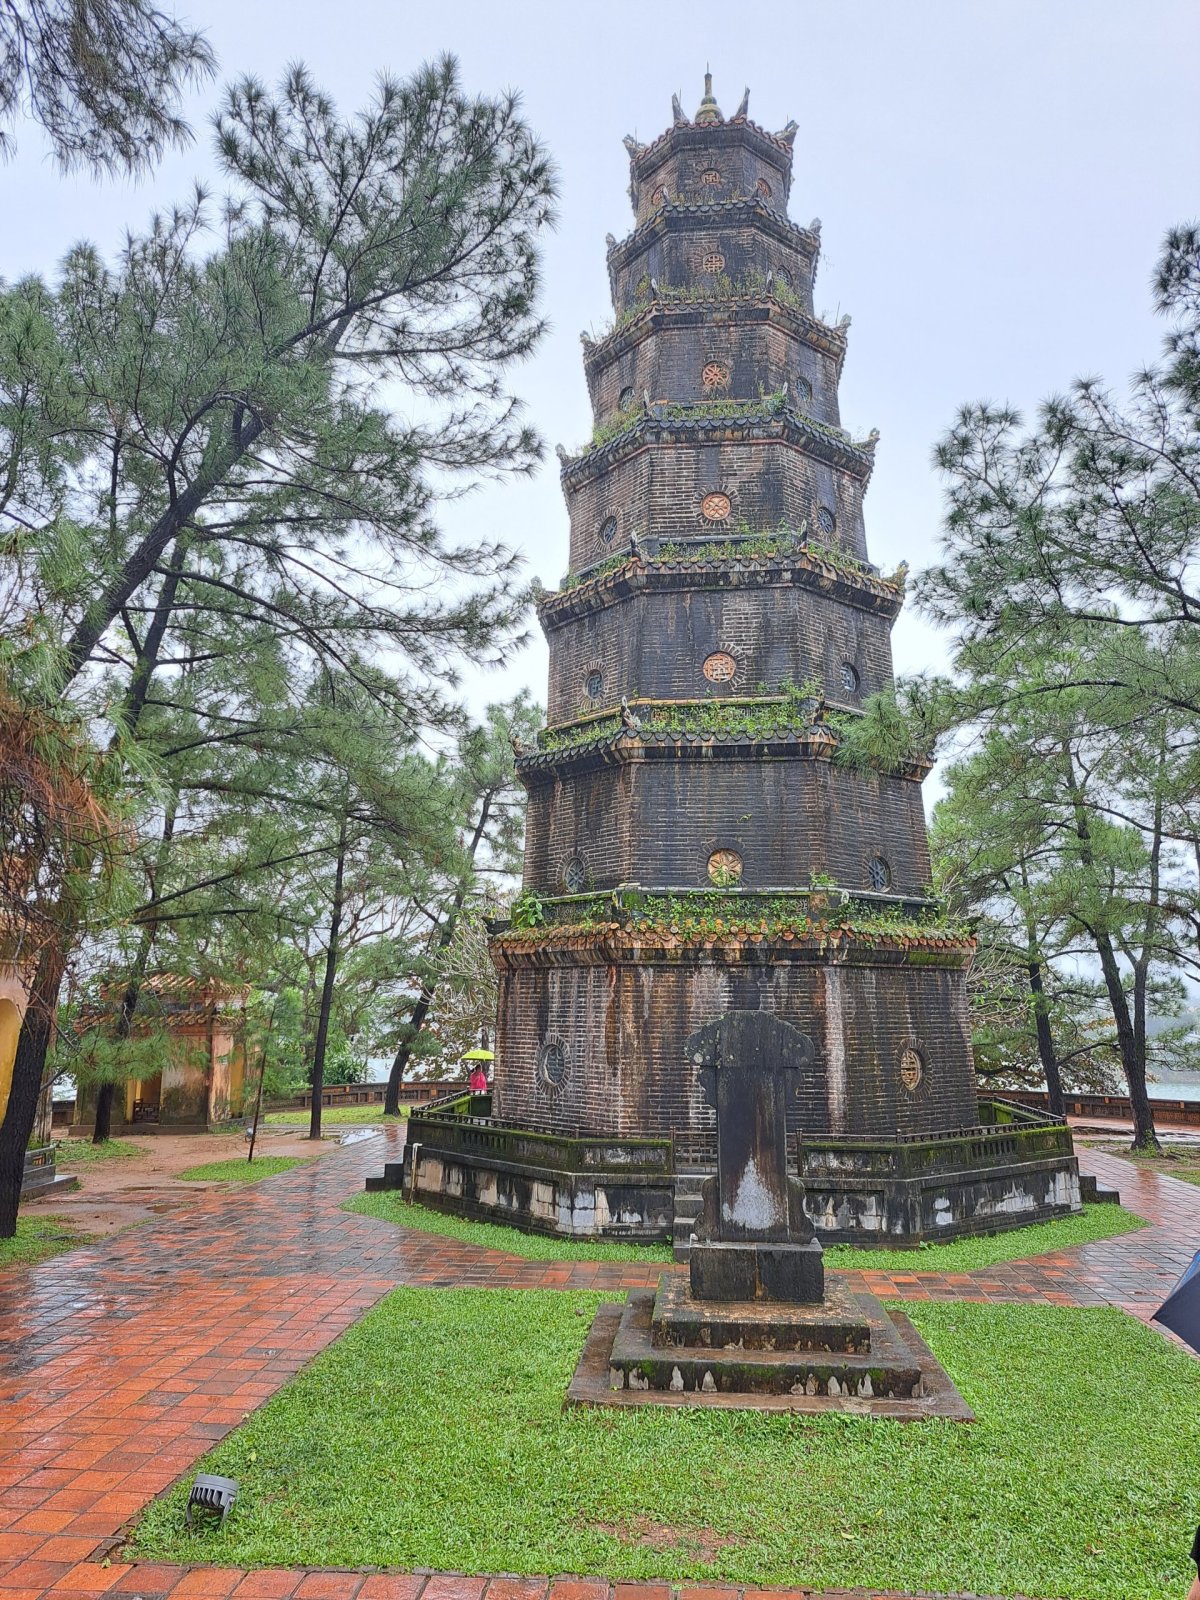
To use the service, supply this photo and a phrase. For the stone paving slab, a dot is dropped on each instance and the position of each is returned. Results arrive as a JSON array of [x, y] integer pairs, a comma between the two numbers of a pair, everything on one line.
[[121, 1365], [90, 1580]]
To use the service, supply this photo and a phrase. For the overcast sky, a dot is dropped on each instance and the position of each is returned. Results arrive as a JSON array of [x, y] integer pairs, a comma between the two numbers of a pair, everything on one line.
[[993, 181]]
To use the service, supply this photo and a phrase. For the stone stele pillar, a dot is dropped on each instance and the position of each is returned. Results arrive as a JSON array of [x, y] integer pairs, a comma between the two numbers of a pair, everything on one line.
[[753, 1239]]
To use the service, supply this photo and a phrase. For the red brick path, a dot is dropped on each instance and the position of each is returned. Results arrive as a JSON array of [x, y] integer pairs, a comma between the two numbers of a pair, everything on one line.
[[121, 1364]]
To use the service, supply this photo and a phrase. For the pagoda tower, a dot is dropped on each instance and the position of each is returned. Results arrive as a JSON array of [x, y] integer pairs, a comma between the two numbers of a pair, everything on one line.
[[696, 843], [719, 608]]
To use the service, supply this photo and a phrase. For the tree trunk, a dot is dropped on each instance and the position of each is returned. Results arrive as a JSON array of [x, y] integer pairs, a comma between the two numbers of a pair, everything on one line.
[[1133, 1060], [147, 661], [416, 1021], [331, 961], [29, 1070], [104, 1104], [1141, 975], [1045, 1040], [416, 1017], [1041, 1009], [141, 562]]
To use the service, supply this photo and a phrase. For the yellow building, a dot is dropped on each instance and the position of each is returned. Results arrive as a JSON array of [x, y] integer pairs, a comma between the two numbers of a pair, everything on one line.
[[203, 1074], [13, 1000]]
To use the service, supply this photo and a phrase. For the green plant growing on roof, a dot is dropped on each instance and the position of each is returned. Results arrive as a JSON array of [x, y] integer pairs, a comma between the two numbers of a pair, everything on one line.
[[527, 911]]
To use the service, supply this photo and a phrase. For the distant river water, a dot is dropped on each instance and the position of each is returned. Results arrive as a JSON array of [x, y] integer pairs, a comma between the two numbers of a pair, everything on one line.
[[1175, 1086]]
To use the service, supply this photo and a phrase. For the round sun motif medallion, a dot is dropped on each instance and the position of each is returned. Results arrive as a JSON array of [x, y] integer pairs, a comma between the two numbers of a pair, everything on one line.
[[912, 1067], [826, 520], [725, 868], [713, 262], [715, 375], [720, 667], [715, 507], [711, 178], [763, 188]]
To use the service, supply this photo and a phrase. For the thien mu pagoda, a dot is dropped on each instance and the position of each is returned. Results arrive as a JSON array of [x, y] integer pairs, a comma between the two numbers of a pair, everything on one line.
[[698, 842]]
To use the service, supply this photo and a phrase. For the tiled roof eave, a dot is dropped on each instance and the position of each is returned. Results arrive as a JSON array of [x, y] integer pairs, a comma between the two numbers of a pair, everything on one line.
[[630, 746], [861, 590], [790, 427], [831, 340], [650, 155], [702, 213]]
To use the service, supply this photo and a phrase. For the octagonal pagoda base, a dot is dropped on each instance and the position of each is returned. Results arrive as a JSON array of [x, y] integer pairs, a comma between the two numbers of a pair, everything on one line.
[[847, 1354], [1014, 1168]]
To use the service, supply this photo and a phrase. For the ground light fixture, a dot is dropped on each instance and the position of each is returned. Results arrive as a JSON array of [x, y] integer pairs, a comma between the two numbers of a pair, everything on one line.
[[211, 1492]]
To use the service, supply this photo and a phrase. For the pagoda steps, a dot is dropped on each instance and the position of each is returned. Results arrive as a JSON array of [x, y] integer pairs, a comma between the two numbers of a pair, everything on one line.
[[898, 1377], [1091, 1192]]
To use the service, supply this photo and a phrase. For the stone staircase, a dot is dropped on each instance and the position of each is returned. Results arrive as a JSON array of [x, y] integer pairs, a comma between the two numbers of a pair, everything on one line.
[[1091, 1190], [688, 1186]]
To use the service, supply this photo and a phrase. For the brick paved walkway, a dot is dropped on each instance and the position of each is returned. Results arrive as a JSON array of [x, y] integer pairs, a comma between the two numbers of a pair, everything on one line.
[[121, 1364]]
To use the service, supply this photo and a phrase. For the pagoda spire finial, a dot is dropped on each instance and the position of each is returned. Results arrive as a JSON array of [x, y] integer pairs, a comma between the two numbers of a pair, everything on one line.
[[710, 111]]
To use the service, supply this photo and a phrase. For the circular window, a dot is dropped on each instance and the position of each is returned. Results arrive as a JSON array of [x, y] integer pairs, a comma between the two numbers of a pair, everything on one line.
[[574, 876], [804, 390], [879, 873], [720, 667], [725, 868], [784, 277], [625, 398], [912, 1067], [715, 375], [710, 178], [715, 507], [594, 685], [713, 262], [826, 520], [849, 677], [552, 1063], [608, 530], [763, 188], [659, 195]]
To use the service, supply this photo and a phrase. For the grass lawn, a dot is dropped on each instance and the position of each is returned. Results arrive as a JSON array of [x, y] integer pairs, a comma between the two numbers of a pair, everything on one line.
[[335, 1114], [39, 1237], [239, 1170], [1101, 1221], [959, 1255], [83, 1153], [432, 1435]]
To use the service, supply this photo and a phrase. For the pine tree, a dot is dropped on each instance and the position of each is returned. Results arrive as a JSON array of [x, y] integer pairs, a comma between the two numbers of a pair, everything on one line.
[[103, 79], [205, 429]]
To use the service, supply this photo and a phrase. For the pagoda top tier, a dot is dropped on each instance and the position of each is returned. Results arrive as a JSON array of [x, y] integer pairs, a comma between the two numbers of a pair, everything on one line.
[[710, 157]]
